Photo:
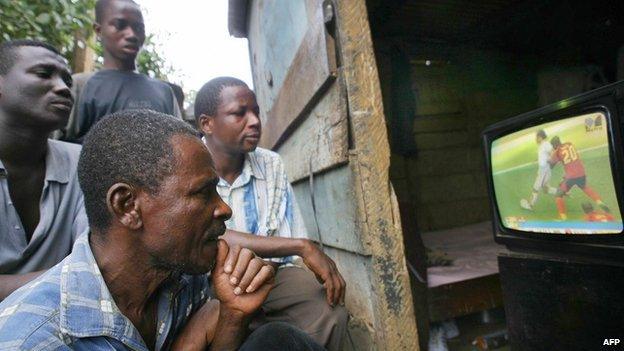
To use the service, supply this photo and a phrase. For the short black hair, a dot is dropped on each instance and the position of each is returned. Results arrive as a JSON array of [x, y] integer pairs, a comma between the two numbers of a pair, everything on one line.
[[130, 146], [587, 207], [209, 96], [555, 142], [8, 56], [541, 133], [101, 5]]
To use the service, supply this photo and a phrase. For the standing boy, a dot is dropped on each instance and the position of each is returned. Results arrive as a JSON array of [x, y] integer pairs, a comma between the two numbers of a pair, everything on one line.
[[120, 29]]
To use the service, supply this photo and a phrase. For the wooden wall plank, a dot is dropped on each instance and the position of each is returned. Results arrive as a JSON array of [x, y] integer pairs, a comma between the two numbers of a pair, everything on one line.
[[357, 271], [394, 322], [322, 136], [336, 212], [288, 85]]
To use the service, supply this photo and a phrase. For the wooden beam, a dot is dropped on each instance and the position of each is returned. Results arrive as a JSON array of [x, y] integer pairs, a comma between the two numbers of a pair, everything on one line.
[[395, 323], [84, 55]]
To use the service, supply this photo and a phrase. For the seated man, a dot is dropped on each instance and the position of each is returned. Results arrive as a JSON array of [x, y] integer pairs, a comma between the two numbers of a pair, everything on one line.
[[41, 205], [120, 29], [266, 217], [137, 279]]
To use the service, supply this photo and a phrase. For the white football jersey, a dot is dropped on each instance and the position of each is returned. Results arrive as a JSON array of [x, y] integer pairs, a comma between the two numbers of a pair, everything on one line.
[[544, 150]]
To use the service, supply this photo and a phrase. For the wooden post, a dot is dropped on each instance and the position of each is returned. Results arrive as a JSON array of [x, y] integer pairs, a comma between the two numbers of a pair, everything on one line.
[[84, 55], [395, 324]]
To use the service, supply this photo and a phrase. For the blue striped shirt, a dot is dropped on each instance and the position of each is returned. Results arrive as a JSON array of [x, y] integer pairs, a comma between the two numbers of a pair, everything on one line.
[[70, 308], [262, 199]]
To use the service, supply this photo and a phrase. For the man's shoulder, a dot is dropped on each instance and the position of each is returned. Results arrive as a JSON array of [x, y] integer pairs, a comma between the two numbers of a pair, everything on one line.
[[267, 163], [265, 155], [30, 316]]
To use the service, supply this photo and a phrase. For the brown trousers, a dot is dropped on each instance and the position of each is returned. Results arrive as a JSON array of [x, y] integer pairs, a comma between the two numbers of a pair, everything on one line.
[[299, 299]]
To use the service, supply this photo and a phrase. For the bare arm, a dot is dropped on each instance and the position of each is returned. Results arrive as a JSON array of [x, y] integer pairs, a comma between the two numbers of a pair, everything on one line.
[[232, 327], [200, 330], [316, 260], [265, 246], [11, 282]]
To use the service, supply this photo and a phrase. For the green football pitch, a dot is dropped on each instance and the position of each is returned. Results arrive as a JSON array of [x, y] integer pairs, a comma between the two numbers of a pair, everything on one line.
[[514, 166]]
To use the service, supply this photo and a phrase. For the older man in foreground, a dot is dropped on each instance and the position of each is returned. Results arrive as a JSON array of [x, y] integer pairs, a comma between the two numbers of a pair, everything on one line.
[[137, 279]]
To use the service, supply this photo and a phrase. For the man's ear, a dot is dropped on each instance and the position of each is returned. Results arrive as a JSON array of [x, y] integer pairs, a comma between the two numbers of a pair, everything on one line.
[[97, 28], [121, 201], [206, 123]]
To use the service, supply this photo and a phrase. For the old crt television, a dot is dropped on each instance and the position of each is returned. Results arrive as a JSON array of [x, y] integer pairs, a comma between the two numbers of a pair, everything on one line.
[[555, 176]]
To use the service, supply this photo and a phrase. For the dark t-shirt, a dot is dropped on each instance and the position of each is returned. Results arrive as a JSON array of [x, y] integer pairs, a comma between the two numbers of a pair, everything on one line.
[[109, 91]]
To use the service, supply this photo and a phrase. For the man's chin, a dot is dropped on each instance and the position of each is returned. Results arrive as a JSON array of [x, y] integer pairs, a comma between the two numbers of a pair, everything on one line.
[[249, 147], [54, 119]]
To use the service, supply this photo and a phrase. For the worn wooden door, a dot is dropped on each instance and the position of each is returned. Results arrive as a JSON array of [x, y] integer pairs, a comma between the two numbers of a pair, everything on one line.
[[316, 80]]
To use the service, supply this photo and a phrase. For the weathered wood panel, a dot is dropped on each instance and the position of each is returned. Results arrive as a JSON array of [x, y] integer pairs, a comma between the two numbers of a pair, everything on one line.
[[322, 136], [357, 268], [340, 127], [336, 211], [394, 321], [289, 46]]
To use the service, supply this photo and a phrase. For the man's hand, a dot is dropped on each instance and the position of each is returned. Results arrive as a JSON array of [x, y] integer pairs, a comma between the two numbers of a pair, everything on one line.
[[319, 263], [244, 282], [326, 272]]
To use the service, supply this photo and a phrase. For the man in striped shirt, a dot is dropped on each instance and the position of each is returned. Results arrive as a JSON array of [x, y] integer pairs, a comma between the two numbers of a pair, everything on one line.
[[265, 217]]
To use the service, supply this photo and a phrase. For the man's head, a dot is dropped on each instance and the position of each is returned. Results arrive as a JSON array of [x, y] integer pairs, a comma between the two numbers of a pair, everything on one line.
[[228, 115], [147, 175], [35, 85], [555, 142], [540, 136], [119, 25]]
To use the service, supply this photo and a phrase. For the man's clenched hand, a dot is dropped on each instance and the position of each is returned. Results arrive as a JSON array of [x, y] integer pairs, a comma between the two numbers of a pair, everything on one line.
[[326, 272], [241, 280]]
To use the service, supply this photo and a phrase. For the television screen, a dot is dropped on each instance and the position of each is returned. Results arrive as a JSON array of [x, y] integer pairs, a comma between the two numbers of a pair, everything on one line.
[[557, 178]]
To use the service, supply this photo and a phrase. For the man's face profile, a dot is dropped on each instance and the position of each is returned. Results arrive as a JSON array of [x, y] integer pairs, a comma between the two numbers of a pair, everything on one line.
[[184, 218], [237, 127]]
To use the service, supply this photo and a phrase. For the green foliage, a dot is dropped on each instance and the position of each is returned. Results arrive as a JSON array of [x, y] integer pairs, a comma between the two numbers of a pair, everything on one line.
[[55, 22], [151, 62], [58, 21]]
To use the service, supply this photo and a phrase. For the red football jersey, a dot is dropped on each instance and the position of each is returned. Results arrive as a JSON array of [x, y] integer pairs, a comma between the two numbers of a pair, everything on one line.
[[572, 164], [599, 217]]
